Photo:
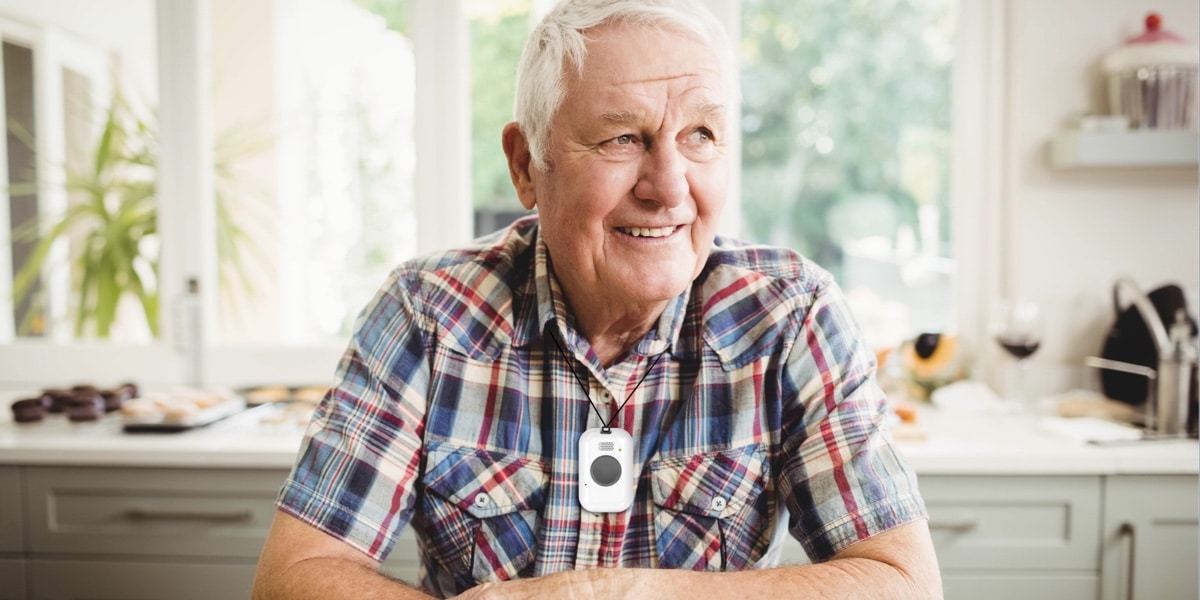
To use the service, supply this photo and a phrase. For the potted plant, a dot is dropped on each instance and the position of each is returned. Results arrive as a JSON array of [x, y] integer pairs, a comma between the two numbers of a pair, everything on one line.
[[111, 221]]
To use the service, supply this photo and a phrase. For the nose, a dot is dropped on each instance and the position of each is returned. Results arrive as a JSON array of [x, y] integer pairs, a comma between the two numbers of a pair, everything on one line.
[[663, 175]]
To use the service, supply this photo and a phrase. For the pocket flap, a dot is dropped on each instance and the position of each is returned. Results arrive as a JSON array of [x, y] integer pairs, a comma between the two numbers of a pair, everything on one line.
[[484, 483], [714, 484]]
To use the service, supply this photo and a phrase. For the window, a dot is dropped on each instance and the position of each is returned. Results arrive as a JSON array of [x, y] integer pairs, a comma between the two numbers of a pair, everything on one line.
[[338, 132], [321, 206], [846, 150], [56, 105]]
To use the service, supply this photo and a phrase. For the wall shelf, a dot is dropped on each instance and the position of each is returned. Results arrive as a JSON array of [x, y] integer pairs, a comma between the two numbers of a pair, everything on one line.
[[1137, 148]]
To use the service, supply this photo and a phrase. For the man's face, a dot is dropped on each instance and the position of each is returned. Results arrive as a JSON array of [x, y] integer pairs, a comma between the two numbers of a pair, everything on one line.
[[638, 172]]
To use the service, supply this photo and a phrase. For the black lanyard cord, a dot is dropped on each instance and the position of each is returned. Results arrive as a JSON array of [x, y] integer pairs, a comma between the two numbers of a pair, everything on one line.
[[607, 424]]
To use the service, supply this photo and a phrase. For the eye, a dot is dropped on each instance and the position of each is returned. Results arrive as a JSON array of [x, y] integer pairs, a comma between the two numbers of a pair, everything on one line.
[[700, 144], [627, 144]]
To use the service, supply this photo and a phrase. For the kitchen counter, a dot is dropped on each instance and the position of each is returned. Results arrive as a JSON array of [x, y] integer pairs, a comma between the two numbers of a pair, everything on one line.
[[239, 441], [959, 444]]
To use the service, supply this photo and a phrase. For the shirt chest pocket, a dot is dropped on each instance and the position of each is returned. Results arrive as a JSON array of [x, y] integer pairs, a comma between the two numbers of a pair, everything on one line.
[[712, 511], [482, 512]]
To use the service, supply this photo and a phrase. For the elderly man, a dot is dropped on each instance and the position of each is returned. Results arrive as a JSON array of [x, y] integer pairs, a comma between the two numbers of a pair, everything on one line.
[[730, 389]]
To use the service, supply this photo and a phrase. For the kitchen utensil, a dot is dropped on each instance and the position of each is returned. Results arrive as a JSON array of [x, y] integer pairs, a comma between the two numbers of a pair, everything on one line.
[[1150, 357], [1131, 341]]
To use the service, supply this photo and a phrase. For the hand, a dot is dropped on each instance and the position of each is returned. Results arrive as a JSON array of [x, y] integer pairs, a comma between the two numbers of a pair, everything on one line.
[[517, 588], [565, 585]]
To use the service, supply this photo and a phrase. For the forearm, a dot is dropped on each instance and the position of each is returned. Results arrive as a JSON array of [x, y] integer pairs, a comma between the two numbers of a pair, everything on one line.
[[857, 578], [842, 578], [331, 579], [899, 564]]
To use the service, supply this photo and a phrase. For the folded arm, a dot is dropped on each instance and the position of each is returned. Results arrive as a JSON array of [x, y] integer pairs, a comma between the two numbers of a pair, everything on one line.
[[897, 564], [299, 562]]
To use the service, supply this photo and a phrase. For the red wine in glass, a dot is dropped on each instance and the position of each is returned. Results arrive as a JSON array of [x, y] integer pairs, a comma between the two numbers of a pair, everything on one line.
[[1017, 328], [1019, 348]]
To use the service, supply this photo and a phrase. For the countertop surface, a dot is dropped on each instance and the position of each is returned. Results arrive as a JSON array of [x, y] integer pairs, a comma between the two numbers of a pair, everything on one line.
[[940, 443]]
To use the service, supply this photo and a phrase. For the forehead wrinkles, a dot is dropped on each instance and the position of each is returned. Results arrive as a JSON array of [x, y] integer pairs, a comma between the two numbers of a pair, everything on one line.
[[705, 111]]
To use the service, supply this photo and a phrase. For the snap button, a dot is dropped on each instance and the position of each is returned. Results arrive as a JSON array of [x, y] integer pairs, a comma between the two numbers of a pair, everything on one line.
[[482, 500], [717, 504]]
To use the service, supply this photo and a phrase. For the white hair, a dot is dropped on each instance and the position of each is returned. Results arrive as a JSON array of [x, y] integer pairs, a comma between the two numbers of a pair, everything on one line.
[[559, 40]]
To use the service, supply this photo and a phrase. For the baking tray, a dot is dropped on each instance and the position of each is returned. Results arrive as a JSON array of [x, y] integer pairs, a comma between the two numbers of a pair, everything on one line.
[[281, 394], [202, 418]]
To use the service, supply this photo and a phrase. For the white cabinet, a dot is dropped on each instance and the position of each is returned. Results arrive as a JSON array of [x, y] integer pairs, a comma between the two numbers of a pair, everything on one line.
[[149, 512], [63, 579], [12, 567], [1150, 538], [404, 562], [132, 533], [1015, 536], [145, 533], [11, 528], [12, 579], [1115, 537]]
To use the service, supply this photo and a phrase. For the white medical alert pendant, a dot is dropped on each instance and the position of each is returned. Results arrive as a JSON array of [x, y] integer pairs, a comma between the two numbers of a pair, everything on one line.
[[606, 470]]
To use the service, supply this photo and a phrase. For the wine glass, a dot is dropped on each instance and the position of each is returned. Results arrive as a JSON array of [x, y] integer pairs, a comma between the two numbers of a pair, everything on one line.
[[1017, 327]]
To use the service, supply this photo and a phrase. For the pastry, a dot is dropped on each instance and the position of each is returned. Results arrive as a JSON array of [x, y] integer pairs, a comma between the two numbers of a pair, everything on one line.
[[141, 409], [130, 388], [58, 399], [311, 394], [267, 394], [28, 410], [113, 399], [85, 406], [180, 412]]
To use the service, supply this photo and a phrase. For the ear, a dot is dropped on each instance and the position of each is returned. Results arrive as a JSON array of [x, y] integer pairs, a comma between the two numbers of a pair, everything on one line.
[[520, 164]]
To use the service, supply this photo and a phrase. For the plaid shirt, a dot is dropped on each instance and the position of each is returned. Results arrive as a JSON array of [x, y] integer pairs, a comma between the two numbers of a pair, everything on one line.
[[454, 409]]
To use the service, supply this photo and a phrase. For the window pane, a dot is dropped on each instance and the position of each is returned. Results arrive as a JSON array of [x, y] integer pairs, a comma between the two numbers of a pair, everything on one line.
[[846, 149], [314, 161], [498, 32], [28, 314], [80, 205]]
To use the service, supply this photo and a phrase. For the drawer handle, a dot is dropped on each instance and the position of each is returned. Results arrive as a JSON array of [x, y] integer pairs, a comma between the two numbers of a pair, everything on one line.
[[1127, 532], [138, 514], [955, 526]]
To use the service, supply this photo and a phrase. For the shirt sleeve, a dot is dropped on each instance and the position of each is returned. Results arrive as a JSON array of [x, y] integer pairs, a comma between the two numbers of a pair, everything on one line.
[[843, 479], [356, 469]]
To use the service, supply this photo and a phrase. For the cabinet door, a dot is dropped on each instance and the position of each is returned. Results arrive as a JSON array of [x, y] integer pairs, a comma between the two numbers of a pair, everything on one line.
[[404, 562], [150, 512], [1150, 538], [983, 585], [11, 523], [12, 580], [1029, 524], [79, 580]]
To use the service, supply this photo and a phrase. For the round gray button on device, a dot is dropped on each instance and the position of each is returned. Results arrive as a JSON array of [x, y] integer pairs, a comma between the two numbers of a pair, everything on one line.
[[606, 470]]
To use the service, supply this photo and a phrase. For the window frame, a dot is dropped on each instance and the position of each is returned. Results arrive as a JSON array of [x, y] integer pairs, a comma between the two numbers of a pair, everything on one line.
[[443, 203]]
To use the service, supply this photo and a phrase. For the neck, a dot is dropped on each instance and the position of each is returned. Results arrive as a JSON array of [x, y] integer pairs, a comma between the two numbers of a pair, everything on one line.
[[613, 331]]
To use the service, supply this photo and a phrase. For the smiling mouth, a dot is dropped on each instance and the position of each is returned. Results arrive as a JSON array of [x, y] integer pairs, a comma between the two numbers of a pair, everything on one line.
[[647, 232]]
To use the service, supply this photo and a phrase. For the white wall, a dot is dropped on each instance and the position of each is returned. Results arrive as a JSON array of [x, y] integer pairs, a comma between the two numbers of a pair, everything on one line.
[[1069, 234]]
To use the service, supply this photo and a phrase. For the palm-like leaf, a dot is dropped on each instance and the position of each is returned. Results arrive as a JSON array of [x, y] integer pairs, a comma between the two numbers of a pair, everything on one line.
[[114, 212]]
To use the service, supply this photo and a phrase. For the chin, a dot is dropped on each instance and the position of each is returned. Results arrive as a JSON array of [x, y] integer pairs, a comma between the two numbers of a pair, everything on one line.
[[658, 287]]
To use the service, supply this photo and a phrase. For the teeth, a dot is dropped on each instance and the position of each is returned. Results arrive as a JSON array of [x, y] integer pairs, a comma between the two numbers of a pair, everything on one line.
[[648, 231]]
